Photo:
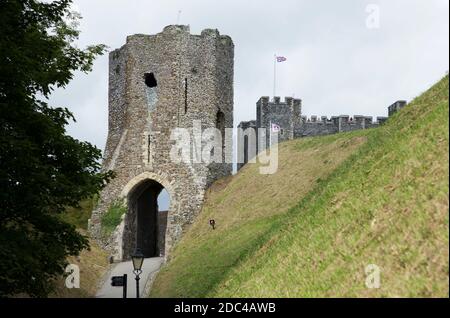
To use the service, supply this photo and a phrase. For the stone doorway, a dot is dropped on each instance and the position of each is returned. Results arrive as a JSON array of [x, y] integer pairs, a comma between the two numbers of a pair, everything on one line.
[[146, 222]]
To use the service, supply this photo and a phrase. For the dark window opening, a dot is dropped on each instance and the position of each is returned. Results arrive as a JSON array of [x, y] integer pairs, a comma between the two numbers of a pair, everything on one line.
[[220, 124], [148, 149], [150, 80], [185, 95], [246, 150]]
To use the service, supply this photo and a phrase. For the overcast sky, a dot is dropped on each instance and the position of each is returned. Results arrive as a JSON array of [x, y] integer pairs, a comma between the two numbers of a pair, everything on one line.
[[335, 63]]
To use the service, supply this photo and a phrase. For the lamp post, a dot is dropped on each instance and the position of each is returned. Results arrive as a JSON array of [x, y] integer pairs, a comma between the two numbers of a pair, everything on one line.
[[138, 259]]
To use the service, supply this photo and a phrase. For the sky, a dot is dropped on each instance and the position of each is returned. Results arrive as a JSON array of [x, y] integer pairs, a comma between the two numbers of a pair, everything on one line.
[[340, 58], [335, 63]]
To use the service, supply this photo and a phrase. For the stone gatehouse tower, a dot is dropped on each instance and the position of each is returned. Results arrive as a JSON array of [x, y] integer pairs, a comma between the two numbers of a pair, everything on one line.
[[157, 83]]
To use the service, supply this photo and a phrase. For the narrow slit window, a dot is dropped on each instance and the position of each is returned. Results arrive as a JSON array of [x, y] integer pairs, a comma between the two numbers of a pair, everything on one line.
[[220, 124], [148, 148], [185, 95]]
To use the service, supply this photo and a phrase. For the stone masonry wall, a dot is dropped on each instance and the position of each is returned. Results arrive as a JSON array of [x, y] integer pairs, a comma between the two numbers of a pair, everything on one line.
[[244, 140], [316, 127], [194, 77], [162, 224], [284, 114], [287, 115]]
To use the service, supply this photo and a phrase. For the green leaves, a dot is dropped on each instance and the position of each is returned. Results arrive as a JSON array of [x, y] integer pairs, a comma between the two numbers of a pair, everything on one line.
[[112, 218], [42, 170]]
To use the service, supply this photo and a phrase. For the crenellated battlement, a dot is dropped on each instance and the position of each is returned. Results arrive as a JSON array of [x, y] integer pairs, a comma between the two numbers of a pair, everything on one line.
[[290, 123], [174, 31], [247, 124], [352, 120], [276, 101], [285, 113], [316, 126]]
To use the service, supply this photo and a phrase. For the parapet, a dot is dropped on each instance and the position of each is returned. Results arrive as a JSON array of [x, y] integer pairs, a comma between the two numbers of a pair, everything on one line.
[[173, 28], [263, 99], [210, 32], [247, 124], [345, 119], [177, 29], [396, 107], [381, 120], [276, 100]]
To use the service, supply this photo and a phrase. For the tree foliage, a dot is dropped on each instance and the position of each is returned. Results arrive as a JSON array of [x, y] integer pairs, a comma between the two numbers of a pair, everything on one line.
[[42, 169]]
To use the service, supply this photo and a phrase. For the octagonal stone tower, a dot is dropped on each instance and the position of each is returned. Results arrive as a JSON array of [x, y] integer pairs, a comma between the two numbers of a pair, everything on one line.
[[158, 83]]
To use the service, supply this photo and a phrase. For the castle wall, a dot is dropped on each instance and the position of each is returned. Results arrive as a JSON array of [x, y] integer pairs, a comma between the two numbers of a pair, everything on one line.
[[246, 139], [315, 126], [396, 107], [117, 106], [288, 116], [284, 114], [162, 225], [194, 77]]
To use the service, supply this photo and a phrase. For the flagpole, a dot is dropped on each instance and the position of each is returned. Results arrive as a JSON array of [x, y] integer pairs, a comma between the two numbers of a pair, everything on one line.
[[274, 73]]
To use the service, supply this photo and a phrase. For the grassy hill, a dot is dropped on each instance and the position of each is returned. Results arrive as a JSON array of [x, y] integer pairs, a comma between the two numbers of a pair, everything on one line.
[[93, 262], [337, 204]]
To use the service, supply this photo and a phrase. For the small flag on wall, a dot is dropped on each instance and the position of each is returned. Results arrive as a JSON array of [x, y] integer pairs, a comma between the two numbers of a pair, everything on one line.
[[281, 59], [275, 128]]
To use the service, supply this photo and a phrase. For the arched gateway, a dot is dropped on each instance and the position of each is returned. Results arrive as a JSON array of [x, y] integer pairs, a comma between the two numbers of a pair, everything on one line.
[[158, 83], [145, 225]]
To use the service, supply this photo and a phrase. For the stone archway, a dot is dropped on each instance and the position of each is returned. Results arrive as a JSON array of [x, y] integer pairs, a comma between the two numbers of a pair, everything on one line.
[[145, 227]]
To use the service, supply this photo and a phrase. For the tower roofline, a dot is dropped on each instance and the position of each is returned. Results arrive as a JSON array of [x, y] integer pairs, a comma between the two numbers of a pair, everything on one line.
[[277, 100], [179, 29]]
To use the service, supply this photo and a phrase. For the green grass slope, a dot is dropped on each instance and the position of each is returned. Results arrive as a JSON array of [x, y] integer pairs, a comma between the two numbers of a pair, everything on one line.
[[93, 262], [337, 204], [246, 208]]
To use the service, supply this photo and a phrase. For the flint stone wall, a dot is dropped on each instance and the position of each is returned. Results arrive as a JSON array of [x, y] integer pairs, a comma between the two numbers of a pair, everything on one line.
[[194, 75], [288, 116]]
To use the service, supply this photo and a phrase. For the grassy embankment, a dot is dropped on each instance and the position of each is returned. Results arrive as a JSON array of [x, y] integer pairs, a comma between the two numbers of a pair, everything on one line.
[[93, 263], [337, 204]]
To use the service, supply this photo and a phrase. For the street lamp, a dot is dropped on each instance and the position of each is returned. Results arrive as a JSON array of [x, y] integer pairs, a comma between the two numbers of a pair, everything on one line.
[[138, 259]]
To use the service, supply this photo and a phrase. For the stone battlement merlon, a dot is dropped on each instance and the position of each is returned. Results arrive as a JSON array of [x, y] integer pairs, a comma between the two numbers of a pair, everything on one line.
[[355, 119], [182, 30], [177, 28], [247, 124], [396, 107], [277, 100]]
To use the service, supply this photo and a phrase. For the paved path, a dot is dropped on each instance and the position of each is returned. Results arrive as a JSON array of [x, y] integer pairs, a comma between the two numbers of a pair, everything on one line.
[[150, 266]]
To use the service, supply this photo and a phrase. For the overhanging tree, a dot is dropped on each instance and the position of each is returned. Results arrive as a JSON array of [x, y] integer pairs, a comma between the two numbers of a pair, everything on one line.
[[42, 169]]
